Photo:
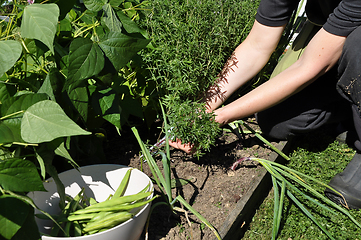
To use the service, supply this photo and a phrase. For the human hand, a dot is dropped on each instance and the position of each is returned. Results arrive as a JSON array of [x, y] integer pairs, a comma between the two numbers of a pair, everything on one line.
[[186, 147]]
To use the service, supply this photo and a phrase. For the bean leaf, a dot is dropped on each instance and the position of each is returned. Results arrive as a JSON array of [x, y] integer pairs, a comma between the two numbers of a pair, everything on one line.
[[45, 121], [39, 22], [120, 48], [20, 175], [13, 213], [94, 5], [85, 59], [10, 51]]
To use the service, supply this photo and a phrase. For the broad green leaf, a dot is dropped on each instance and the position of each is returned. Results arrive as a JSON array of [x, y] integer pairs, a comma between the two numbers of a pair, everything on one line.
[[11, 113], [13, 213], [79, 97], [56, 81], [116, 3], [29, 230], [9, 132], [129, 25], [94, 5], [36, 49], [132, 106], [20, 175], [106, 103], [47, 88], [85, 59], [65, 26], [6, 91], [63, 152], [110, 19], [120, 48], [20, 103], [39, 22], [45, 121], [10, 51]]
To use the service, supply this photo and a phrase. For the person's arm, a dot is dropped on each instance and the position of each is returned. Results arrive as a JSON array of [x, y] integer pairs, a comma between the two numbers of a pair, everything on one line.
[[246, 61], [320, 55]]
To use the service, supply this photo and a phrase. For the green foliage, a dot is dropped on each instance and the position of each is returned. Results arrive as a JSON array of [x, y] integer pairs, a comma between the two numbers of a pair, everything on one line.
[[163, 181], [192, 41], [66, 68], [319, 158]]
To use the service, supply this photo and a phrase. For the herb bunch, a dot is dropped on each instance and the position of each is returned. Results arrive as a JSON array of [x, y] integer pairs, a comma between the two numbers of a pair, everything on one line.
[[192, 41]]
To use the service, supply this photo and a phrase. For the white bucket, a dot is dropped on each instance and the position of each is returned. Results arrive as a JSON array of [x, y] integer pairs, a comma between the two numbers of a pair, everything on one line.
[[99, 182]]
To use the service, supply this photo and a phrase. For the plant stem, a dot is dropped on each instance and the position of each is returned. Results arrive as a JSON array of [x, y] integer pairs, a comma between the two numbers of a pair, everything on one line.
[[264, 140], [11, 115]]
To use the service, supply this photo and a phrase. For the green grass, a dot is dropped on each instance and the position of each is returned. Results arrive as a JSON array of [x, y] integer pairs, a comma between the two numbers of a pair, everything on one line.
[[320, 157]]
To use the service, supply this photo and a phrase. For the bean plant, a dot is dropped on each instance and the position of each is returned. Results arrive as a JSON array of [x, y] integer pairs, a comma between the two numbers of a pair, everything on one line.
[[66, 68]]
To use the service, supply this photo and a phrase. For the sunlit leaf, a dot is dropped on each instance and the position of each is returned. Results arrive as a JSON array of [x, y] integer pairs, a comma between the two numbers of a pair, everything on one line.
[[39, 22], [94, 5], [10, 51], [45, 121], [12, 112]]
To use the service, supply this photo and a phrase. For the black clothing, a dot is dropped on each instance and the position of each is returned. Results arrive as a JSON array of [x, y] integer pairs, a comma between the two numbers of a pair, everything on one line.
[[321, 102], [339, 17]]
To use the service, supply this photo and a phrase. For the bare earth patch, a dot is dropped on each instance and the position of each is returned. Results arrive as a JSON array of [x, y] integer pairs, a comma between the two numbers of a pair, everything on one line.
[[213, 189]]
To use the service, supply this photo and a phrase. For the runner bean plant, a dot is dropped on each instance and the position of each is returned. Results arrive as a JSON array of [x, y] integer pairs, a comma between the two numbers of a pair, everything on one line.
[[66, 68]]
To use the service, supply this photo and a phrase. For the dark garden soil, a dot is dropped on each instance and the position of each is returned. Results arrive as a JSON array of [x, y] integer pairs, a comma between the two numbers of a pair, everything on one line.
[[213, 189]]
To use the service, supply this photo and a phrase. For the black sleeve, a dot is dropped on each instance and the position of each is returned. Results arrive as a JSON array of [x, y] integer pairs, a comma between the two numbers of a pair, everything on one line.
[[275, 13], [345, 18]]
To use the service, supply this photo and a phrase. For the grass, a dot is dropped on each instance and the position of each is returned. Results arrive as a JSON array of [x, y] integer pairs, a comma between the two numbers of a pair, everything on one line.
[[318, 156]]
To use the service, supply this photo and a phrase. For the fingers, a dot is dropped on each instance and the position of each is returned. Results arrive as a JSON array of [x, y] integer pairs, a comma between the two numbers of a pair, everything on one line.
[[186, 147]]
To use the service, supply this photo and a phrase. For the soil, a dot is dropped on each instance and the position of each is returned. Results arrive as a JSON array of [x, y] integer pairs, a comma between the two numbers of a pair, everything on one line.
[[213, 188]]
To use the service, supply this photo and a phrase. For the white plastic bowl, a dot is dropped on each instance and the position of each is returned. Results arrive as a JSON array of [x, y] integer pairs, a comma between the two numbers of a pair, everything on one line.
[[99, 182]]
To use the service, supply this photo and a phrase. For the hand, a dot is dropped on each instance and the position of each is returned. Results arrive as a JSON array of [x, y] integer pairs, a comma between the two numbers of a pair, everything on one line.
[[186, 147]]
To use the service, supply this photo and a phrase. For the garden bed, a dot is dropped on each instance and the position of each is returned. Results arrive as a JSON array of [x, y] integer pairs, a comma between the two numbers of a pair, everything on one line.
[[226, 198]]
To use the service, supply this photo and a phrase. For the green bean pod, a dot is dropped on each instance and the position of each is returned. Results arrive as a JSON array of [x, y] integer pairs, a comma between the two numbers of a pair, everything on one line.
[[92, 201], [123, 184], [109, 221], [115, 201], [98, 216], [79, 217], [77, 229], [114, 208]]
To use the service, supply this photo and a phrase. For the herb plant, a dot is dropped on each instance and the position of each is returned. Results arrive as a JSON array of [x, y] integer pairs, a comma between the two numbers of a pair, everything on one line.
[[192, 41]]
